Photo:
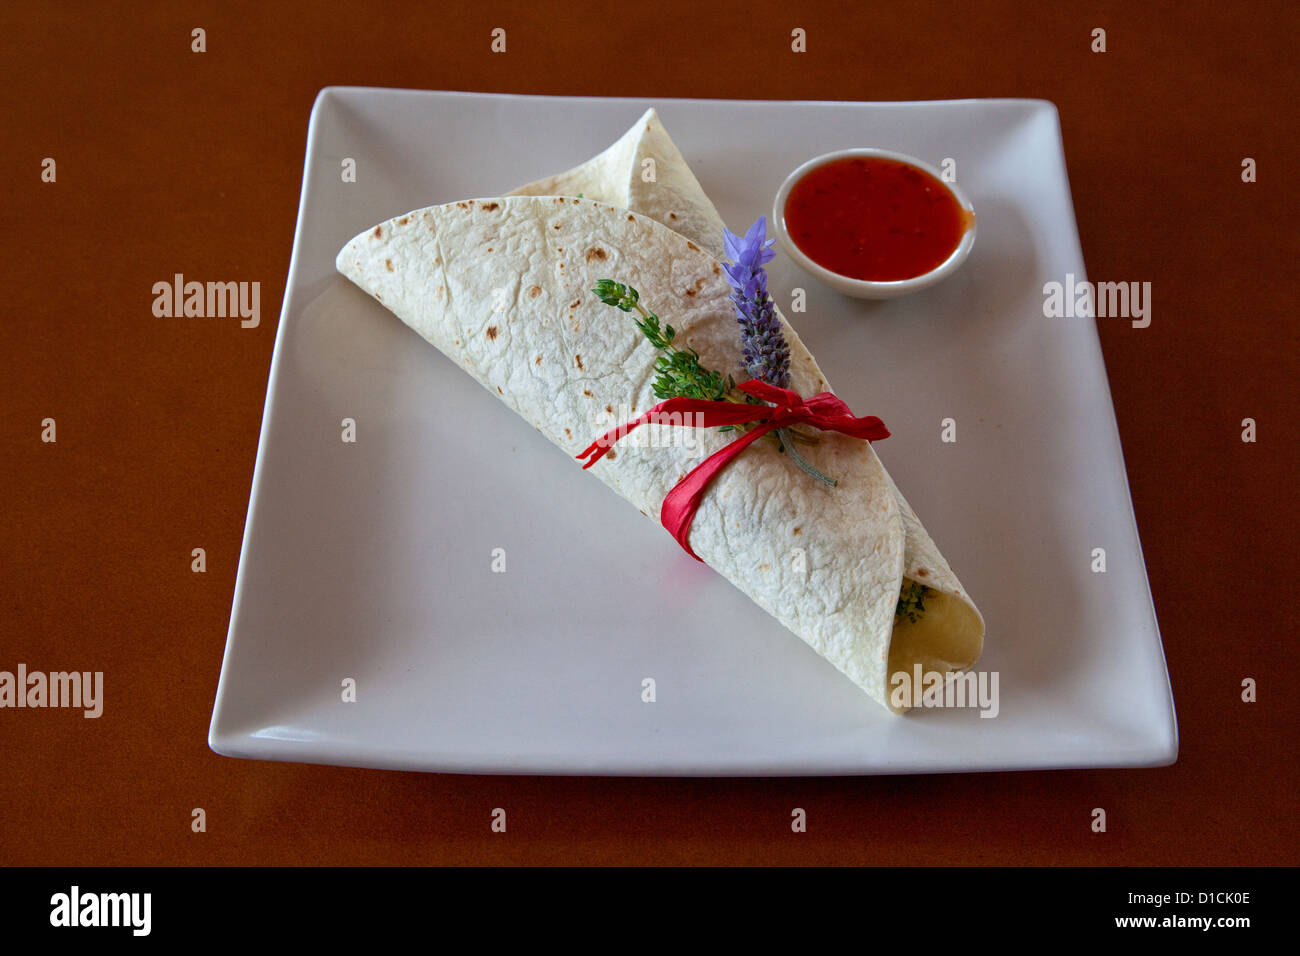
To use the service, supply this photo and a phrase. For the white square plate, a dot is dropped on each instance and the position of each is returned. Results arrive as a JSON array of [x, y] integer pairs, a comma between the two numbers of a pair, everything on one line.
[[373, 560]]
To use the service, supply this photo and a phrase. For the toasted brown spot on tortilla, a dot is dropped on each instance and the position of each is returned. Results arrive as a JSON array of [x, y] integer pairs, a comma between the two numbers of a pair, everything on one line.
[[690, 292], [575, 202], [672, 215], [716, 270], [499, 392], [489, 248], [462, 205], [568, 434], [489, 206], [587, 392], [556, 226], [538, 360], [642, 510], [379, 231], [798, 530], [612, 454], [921, 572], [379, 297], [689, 244], [576, 303], [578, 359], [534, 292], [492, 332], [389, 264], [765, 567], [632, 218], [404, 220], [610, 409], [595, 252]]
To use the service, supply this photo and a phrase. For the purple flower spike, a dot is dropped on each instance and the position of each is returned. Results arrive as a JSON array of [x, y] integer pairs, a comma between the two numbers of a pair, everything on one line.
[[766, 354]]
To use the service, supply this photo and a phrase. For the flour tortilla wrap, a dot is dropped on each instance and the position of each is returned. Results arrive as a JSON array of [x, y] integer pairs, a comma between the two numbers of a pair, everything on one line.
[[560, 358], [645, 172]]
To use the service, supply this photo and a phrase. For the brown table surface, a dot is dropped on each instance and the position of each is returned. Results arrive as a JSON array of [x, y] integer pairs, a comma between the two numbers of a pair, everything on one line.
[[170, 161]]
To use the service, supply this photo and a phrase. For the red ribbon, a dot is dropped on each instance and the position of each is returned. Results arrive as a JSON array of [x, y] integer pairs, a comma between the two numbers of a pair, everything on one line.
[[823, 411]]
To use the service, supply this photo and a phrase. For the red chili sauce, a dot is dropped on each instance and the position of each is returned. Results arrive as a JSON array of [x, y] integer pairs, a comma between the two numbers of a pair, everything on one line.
[[867, 217]]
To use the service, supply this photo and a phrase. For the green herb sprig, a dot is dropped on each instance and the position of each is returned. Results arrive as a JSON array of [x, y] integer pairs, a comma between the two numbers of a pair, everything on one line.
[[680, 371]]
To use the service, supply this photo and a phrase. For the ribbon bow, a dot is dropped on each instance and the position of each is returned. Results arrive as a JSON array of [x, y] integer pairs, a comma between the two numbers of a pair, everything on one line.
[[823, 411]]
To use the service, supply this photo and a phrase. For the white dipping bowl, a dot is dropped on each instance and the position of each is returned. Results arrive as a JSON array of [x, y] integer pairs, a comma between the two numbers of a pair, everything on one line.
[[866, 288]]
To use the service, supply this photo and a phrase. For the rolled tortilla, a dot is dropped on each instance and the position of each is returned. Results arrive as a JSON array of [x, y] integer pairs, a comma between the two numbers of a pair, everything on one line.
[[643, 171], [502, 287]]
